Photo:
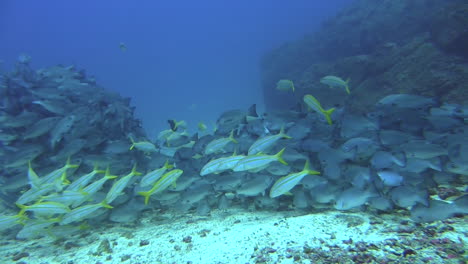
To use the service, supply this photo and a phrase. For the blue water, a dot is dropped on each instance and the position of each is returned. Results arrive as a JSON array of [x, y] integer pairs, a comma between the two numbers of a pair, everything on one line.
[[187, 60]]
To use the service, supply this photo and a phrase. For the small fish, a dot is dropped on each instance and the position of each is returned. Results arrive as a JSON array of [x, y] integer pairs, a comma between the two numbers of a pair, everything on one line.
[[390, 178], [8, 221], [84, 180], [284, 184], [353, 197], [123, 46], [57, 174], [144, 146], [66, 197], [258, 162], [201, 126], [264, 143], [35, 193], [154, 175], [285, 85], [334, 81], [33, 178], [60, 129], [165, 181], [219, 165], [82, 212], [217, 145], [174, 124], [314, 104], [120, 185], [406, 101], [45, 208]]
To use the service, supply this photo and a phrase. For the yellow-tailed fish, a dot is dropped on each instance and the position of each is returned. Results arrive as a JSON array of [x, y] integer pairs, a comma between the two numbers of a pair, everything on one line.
[[34, 194], [152, 176], [258, 161], [334, 81], [201, 126], [34, 180], [174, 124], [264, 143], [82, 212], [120, 185], [45, 208], [285, 85], [314, 104], [217, 145], [8, 221], [165, 181], [66, 197], [284, 184], [57, 174], [84, 180], [219, 165], [144, 146]]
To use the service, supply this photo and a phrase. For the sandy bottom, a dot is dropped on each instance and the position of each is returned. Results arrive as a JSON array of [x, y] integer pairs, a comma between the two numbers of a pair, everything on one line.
[[241, 236]]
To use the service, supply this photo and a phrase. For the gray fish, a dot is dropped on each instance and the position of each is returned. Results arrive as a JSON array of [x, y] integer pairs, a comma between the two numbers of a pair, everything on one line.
[[22, 120], [255, 186], [71, 148], [422, 150], [55, 107], [406, 101], [439, 210], [20, 158], [353, 126], [381, 203], [62, 127], [390, 178], [41, 127], [420, 165], [393, 137], [384, 160], [353, 197], [405, 196]]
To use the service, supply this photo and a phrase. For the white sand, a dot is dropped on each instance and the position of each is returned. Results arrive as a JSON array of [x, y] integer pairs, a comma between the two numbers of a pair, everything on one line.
[[230, 236]]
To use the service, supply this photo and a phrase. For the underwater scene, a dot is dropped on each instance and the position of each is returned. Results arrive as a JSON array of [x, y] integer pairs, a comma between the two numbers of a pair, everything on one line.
[[222, 132]]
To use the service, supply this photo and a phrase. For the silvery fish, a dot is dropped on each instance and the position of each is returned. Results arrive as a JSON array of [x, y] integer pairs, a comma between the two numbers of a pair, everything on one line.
[[60, 129], [265, 143], [284, 184], [334, 81]]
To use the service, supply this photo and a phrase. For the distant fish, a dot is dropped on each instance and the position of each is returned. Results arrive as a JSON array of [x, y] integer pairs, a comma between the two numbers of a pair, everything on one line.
[[334, 81], [264, 143], [406, 101], [218, 145], [258, 162], [285, 85], [314, 104], [122, 46], [144, 146], [165, 181]]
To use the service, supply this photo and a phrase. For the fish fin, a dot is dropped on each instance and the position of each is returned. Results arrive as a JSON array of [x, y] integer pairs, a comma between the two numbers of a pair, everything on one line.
[[347, 86], [327, 114], [106, 205], [252, 111], [231, 137], [280, 158], [288, 193], [172, 124], [282, 134], [146, 195]]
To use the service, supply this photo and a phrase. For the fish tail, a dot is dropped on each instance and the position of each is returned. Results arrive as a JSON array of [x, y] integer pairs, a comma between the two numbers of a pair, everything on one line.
[[347, 86], [231, 137], [134, 171], [133, 142], [168, 166], [328, 114], [282, 134], [280, 158], [146, 195], [68, 165], [292, 84], [106, 205]]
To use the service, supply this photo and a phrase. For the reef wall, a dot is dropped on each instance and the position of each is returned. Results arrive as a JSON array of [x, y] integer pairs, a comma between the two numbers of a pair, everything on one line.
[[383, 47]]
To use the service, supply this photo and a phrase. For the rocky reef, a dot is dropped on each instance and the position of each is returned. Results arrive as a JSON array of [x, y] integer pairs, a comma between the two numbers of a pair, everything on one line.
[[383, 47]]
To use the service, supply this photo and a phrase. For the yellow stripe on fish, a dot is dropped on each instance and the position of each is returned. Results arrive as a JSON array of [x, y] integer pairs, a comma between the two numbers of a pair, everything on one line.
[[264, 143], [258, 161], [165, 181], [217, 145], [314, 104], [284, 184]]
